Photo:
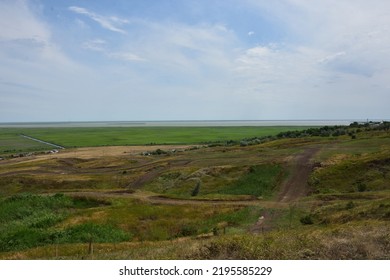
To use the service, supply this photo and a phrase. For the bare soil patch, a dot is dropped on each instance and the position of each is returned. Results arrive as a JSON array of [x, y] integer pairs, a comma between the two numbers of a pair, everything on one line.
[[294, 187]]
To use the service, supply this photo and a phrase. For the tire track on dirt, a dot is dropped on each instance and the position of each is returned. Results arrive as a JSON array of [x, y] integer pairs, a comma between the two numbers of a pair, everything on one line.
[[156, 199], [293, 188], [296, 186]]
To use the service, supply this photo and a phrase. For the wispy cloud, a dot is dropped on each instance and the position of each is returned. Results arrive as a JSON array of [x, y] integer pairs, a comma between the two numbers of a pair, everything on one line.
[[102, 46], [98, 45], [108, 22], [218, 66], [126, 56], [17, 22]]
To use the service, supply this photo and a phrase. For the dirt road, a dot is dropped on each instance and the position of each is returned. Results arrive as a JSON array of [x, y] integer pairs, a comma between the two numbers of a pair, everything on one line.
[[293, 188]]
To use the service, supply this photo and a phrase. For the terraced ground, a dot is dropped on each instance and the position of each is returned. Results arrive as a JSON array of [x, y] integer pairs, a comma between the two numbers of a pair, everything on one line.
[[290, 198]]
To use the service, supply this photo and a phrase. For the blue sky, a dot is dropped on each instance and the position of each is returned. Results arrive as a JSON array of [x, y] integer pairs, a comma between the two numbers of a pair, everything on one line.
[[194, 60]]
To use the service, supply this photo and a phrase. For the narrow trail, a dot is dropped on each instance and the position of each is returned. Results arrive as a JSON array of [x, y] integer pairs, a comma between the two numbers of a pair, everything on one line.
[[41, 141], [155, 199], [293, 188]]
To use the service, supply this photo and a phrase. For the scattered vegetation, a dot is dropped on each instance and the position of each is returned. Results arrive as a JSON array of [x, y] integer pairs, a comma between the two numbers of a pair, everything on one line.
[[204, 202]]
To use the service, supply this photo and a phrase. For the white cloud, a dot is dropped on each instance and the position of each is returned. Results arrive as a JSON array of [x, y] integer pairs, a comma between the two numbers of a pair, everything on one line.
[[98, 45], [126, 56], [330, 58], [332, 52], [186, 48], [102, 46], [24, 37], [17, 22], [108, 22], [36, 75]]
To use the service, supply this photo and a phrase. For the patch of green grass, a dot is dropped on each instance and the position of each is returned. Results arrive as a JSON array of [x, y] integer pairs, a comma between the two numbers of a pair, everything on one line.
[[261, 181], [28, 220], [220, 182], [358, 173], [241, 217], [92, 232], [12, 143]]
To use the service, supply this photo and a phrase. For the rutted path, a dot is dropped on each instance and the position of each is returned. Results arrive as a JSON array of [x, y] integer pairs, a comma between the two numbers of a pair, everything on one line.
[[156, 199], [294, 187]]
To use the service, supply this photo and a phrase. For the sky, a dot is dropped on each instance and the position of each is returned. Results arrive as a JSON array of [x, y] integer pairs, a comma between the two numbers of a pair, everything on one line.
[[131, 60]]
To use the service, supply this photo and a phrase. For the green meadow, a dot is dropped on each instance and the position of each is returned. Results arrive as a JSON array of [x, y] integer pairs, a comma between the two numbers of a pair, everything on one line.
[[119, 136]]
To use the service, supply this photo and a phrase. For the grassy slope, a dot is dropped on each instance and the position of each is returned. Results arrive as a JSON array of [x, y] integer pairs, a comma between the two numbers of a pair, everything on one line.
[[345, 222]]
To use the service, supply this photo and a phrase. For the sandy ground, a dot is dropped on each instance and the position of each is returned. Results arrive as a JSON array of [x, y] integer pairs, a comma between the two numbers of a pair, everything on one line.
[[96, 152]]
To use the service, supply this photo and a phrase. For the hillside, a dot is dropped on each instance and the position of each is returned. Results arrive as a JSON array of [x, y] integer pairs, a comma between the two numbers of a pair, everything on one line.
[[322, 193]]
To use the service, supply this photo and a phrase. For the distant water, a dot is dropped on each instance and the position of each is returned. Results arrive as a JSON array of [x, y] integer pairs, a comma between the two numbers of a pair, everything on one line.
[[181, 123]]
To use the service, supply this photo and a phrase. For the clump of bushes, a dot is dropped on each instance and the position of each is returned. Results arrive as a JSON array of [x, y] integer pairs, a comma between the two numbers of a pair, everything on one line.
[[196, 190], [307, 220]]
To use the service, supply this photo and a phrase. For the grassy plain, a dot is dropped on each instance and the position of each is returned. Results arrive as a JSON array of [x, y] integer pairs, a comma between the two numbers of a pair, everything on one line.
[[13, 143], [122, 136], [205, 202]]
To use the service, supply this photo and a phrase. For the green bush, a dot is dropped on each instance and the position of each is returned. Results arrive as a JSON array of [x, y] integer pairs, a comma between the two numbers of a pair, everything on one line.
[[196, 190], [307, 220]]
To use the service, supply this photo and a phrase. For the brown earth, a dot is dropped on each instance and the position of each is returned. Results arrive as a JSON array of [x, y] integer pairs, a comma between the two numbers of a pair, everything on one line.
[[293, 188], [96, 152]]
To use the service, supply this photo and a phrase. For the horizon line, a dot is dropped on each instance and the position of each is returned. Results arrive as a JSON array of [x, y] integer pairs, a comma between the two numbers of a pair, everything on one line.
[[193, 120]]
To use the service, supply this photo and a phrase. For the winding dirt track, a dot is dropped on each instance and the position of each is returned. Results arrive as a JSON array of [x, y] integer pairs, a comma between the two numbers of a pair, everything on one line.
[[153, 199], [293, 188]]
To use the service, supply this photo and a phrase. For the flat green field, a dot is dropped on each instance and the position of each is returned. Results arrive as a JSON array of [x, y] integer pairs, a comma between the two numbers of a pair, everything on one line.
[[12, 143], [118, 136]]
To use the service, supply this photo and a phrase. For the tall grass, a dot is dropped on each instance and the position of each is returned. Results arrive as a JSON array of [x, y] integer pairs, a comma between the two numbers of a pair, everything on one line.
[[28, 220]]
